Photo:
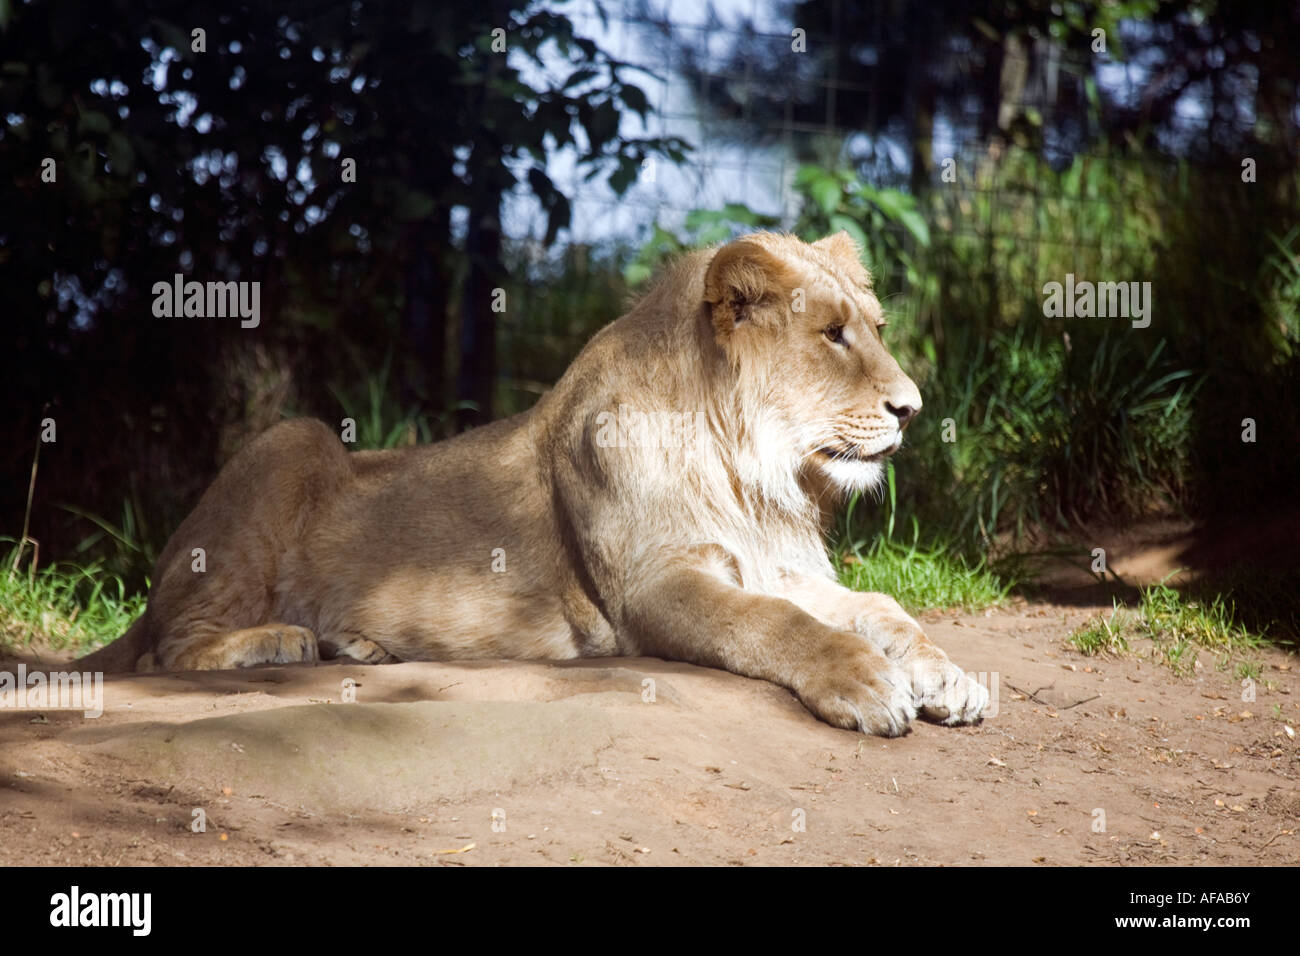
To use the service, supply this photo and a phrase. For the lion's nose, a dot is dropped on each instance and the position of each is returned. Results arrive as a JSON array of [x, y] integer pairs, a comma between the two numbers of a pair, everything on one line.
[[904, 413]]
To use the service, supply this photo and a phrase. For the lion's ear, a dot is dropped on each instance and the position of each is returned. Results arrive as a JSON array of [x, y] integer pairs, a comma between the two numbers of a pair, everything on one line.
[[740, 275], [845, 249]]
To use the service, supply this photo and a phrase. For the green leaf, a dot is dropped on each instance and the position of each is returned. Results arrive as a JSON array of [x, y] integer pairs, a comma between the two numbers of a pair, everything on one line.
[[718, 232], [890, 201], [602, 125], [698, 218], [541, 185], [807, 175], [636, 272], [901, 208], [623, 177], [577, 77], [915, 223], [827, 194], [560, 217], [635, 100]]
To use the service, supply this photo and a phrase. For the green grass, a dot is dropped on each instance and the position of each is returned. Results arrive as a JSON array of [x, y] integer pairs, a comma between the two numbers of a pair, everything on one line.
[[1179, 626], [1263, 599], [919, 577], [62, 606], [1052, 435], [1102, 635], [922, 578], [379, 420]]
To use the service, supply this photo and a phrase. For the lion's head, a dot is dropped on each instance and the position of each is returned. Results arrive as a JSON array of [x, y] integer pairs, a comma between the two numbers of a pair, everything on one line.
[[800, 326]]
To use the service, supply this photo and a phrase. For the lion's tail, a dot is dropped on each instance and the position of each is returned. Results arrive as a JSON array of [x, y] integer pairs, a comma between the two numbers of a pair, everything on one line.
[[124, 652]]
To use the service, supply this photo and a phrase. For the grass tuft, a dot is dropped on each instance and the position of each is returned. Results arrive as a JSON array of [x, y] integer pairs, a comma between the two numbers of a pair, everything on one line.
[[1179, 627], [62, 606], [1102, 635], [918, 577], [922, 578]]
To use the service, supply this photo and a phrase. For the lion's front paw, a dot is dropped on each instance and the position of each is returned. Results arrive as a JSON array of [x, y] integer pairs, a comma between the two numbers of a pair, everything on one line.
[[944, 693], [863, 692]]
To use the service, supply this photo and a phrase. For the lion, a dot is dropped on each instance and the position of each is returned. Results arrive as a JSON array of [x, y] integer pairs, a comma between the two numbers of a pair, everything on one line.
[[668, 498]]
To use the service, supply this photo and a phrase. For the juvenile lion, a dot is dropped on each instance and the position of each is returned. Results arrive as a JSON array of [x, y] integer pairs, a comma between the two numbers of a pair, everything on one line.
[[667, 498]]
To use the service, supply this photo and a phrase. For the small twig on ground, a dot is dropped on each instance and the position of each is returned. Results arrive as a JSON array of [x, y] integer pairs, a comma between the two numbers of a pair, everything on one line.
[[1078, 702], [1274, 837], [1031, 694]]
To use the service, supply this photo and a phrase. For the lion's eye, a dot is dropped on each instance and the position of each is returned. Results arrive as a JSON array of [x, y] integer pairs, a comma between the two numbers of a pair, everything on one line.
[[835, 333]]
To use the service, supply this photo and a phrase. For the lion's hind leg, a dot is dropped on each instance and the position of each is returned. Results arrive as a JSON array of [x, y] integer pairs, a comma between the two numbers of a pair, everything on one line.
[[266, 644]]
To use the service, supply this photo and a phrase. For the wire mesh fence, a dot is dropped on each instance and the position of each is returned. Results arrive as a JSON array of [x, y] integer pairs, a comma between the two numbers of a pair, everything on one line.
[[714, 76]]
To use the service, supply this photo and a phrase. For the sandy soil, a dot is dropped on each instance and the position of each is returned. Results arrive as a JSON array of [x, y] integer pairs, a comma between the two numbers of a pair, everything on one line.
[[579, 768]]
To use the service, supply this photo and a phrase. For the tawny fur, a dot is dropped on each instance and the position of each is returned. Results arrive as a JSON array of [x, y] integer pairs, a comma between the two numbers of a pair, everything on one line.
[[540, 537]]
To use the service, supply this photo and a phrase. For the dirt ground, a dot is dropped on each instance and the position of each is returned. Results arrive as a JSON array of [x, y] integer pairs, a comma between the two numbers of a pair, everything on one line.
[[1084, 761]]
